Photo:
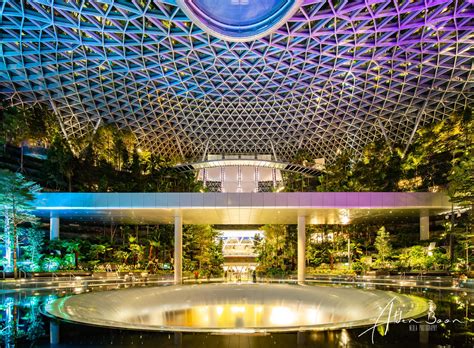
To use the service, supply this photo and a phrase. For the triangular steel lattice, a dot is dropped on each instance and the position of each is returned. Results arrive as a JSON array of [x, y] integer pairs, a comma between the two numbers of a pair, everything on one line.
[[337, 75]]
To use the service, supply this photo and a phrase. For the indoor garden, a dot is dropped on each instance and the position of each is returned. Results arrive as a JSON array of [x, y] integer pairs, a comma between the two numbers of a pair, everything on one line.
[[91, 256], [222, 173]]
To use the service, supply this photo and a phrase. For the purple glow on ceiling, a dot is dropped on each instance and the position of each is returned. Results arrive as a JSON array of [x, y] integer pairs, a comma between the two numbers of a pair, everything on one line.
[[335, 76]]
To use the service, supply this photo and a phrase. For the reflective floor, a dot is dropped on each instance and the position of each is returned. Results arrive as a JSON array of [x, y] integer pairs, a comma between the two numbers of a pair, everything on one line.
[[23, 324]]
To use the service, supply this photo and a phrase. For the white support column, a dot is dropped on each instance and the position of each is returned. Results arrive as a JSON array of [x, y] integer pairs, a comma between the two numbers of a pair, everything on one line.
[[301, 249], [424, 225], [178, 249], [53, 227]]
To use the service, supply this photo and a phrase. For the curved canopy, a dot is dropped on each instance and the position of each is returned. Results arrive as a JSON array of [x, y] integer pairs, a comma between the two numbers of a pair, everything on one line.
[[289, 167], [334, 76]]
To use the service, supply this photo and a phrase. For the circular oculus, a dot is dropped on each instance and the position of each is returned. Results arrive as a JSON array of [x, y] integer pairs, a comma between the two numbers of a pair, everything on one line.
[[239, 20]]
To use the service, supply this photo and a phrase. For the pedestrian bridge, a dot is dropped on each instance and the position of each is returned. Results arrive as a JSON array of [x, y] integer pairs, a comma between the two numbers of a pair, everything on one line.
[[241, 208]]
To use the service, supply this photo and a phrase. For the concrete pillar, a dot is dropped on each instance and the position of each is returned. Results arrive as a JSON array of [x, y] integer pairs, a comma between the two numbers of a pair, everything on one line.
[[424, 225], [301, 249], [53, 227], [178, 249]]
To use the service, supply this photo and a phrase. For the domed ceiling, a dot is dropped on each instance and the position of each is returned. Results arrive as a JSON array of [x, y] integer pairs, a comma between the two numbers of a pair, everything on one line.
[[311, 75]]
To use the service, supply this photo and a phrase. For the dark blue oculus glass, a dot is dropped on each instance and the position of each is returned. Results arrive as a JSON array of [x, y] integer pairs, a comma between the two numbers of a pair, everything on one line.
[[238, 19]]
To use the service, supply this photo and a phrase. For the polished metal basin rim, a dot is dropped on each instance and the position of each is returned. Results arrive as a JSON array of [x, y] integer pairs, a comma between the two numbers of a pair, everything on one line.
[[237, 308]]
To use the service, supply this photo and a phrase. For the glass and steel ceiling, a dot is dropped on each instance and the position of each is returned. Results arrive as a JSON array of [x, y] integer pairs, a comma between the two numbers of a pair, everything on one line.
[[333, 76]]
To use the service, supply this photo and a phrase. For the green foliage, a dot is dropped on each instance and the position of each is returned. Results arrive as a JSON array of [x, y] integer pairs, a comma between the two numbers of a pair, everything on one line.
[[418, 258], [383, 247], [339, 174], [202, 249], [442, 153], [276, 252], [436, 260], [359, 267], [33, 246], [415, 257], [319, 253], [136, 251], [18, 124], [461, 176], [106, 159], [326, 245], [16, 196], [61, 164], [213, 259], [67, 252], [68, 261], [295, 182], [121, 256], [21, 319], [132, 251], [97, 250], [51, 263], [111, 161], [378, 169]]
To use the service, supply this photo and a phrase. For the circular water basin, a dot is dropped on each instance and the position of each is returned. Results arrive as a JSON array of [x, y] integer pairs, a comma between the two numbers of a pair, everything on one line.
[[244, 308]]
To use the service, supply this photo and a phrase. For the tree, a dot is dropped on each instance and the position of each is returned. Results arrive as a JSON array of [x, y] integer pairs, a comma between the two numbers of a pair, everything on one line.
[[18, 124], [213, 259], [382, 245], [276, 253], [378, 169], [13, 125], [417, 258], [201, 248], [153, 245], [72, 247], [33, 247], [438, 148], [339, 174], [97, 250], [23, 125], [319, 253], [61, 162], [16, 197], [136, 250]]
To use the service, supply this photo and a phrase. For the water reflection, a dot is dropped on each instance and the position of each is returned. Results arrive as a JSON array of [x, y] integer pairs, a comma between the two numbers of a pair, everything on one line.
[[21, 317], [242, 316], [22, 324]]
